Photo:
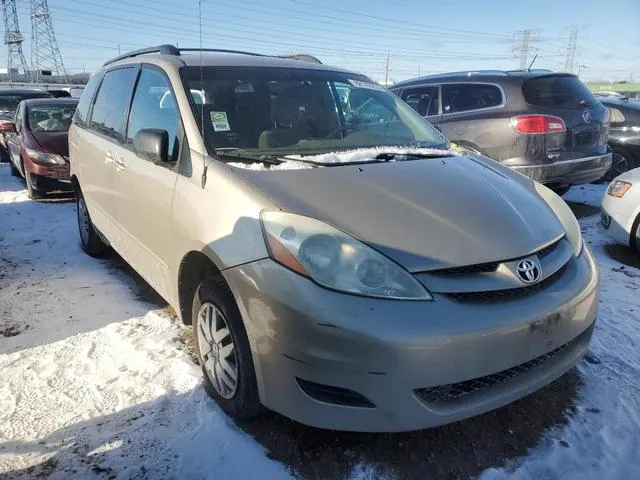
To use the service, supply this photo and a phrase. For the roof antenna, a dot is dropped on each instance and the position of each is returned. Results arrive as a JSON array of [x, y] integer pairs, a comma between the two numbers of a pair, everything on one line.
[[535, 57], [203, 180]]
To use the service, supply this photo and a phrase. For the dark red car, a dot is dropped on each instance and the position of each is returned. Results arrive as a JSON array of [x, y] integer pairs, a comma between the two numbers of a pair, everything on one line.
[[39, 149]]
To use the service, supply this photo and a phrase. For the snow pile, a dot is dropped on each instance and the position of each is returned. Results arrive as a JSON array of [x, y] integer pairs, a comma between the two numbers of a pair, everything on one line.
[[365, 154], [290, 162], [602, 438]]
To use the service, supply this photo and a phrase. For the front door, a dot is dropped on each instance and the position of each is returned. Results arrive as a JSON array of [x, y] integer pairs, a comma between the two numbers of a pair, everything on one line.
[[14, 140], [145, 189]]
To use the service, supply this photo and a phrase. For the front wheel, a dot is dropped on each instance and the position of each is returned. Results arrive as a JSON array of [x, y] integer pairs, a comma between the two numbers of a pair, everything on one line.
[[90, 241], [14, 171], [31, 189], [223, 350]]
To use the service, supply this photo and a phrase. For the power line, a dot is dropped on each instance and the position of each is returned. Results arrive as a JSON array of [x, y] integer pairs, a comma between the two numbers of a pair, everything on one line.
[[525, 38]]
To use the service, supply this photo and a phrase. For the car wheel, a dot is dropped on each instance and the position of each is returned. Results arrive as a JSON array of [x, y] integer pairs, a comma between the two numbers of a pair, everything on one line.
[[31, 190], [14, 171], [635, 235], [619, 164], [90, 241], [223, 350], [4, 155]]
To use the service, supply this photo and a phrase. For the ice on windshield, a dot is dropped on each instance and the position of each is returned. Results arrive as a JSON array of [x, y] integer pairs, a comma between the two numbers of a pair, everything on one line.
[[366, 154]]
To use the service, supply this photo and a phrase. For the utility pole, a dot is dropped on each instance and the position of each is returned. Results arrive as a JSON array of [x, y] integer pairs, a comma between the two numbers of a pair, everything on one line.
[[571, 49], [524, 39], [13, 40], [386, 70], [45, 54]]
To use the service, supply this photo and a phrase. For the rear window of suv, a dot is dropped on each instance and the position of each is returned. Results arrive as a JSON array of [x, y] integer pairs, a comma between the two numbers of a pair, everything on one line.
[[561, 91]]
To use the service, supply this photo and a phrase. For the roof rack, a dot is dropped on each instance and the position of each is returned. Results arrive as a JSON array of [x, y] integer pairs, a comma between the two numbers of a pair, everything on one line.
[[175, 51], [303, 57]]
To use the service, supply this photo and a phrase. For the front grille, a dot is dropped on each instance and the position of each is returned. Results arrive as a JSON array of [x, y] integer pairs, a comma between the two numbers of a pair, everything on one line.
[[455, 391], [547, 250], [335, 395], [508, 293], [468, 269]]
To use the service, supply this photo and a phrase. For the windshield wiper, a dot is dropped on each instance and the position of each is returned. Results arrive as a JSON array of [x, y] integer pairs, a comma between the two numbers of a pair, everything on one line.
[[224, 153], [388, 156]]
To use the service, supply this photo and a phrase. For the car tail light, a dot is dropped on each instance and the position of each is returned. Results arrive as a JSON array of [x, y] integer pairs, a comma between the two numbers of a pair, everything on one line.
[[538, 124], [7, 126]]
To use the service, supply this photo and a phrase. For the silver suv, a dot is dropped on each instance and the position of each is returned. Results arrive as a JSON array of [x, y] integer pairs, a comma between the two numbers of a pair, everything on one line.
[[338, 263]]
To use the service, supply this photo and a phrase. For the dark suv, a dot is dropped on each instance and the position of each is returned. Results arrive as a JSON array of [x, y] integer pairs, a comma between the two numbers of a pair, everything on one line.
[[546, 125]]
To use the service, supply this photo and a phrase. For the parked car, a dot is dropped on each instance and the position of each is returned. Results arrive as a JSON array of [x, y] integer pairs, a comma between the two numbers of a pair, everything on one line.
[[348, 272], [624, 134], [621, 209], [9, 100], [545, 125], [39, 149]]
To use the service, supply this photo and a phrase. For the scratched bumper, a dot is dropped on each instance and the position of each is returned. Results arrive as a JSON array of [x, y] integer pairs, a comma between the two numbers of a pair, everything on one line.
[[390, 352]]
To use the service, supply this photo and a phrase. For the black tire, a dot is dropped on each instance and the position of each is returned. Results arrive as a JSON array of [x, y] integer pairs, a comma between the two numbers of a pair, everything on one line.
[[4, 155], [635, 236], [245, 403], [14, 171], [31, 189], [621, 163], [90, 241]]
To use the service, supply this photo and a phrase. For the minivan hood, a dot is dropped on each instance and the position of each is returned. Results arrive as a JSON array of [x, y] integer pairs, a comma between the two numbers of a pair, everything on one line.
[[53, 142], [425, 214]]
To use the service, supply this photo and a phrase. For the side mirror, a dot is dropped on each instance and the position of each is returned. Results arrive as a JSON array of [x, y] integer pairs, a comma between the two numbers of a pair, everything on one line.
[[7, 127], [152, 144]]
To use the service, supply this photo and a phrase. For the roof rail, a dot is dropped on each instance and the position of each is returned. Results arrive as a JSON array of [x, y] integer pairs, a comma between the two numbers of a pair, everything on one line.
[[161, 49], [175, 51], [303, 57]]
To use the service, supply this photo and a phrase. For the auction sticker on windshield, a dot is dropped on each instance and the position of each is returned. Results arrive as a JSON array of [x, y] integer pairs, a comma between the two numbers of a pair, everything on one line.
[[363, 84], [220, 122]]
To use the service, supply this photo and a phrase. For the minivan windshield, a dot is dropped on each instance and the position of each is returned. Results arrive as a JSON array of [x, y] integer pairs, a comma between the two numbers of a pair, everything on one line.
[[257, 112]]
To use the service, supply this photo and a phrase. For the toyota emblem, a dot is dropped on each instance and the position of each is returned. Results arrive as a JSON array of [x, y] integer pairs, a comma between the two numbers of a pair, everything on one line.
[[586, 116], [528, 271]]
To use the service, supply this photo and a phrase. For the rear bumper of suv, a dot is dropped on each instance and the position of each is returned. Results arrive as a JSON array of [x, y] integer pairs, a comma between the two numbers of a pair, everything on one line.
[[568, 172]]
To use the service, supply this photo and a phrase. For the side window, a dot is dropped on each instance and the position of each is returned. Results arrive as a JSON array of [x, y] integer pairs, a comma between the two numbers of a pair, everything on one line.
[[82, 110], [108, 110], [464, 97], [424, 100], [617, 116], [154, 106]]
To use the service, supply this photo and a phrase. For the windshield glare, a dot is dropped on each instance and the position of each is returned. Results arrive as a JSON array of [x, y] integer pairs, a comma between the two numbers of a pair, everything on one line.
[[50, 118], [274, 111]]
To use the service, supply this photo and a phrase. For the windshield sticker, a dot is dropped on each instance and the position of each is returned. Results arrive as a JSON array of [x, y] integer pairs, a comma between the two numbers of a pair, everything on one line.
[[363, 84], [244, 88], [220, 122]]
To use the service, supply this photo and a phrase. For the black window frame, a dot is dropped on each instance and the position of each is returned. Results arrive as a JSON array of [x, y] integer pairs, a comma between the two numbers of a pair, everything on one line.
[[446, 90], [426, 85], [120, 140], [17, 119]]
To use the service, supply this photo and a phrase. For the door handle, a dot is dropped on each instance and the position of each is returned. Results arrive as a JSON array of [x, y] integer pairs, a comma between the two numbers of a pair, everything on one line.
[[120, 164], [108, 159]]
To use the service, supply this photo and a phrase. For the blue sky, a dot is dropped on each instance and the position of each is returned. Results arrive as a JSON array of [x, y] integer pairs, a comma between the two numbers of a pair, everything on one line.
[[421, 36]]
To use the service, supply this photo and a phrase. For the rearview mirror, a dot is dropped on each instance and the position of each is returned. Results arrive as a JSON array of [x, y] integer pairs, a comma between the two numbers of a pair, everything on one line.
[[152, 144]]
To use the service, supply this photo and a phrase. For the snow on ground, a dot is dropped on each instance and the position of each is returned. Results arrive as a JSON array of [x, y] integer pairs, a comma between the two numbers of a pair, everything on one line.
[[602, 437], [99, 382], [96, 382]]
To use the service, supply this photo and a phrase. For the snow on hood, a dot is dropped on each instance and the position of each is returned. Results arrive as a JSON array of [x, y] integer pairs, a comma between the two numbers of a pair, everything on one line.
[[350, 156]]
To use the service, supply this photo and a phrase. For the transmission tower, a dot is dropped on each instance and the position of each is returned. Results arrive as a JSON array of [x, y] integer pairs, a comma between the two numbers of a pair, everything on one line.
[[571, 49], [13, 40], [45, 54], [524, 39]]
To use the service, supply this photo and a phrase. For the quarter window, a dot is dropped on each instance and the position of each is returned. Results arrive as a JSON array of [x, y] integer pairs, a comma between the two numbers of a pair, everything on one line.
[[463, 97], [18, 120], [424, 100], [111, 102], [154, 107], [82, 111]]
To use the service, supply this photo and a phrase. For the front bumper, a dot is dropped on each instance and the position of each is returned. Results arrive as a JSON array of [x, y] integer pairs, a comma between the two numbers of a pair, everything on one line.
[[391, 352], [617, 219], [568, 172]]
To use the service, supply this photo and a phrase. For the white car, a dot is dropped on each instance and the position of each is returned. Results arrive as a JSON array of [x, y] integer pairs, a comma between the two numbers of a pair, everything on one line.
[[621, 209]]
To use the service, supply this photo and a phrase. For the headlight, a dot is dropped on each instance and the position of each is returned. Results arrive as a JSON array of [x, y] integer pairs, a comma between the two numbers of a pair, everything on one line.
[[564, 214], [618, 188], [336, 260], [43, 157]]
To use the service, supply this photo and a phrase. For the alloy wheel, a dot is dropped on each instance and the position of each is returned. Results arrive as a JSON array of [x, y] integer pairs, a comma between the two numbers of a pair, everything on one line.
[[217, 350], [619, 165]]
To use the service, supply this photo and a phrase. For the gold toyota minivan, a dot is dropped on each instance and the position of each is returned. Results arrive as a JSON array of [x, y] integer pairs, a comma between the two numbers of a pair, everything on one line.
[[339, 262]]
